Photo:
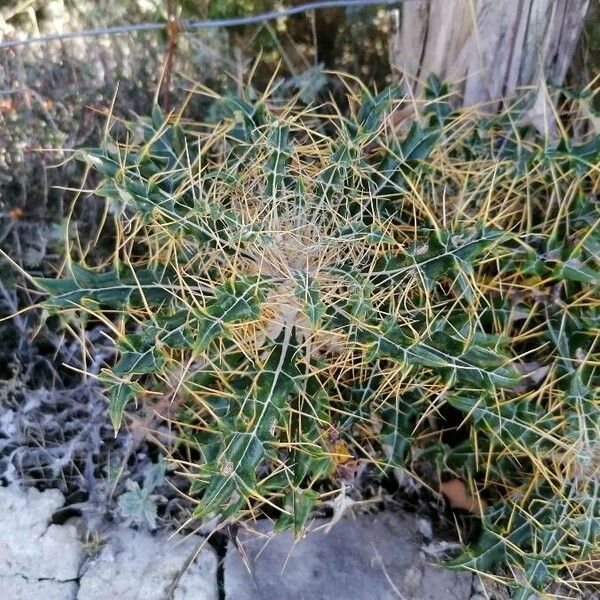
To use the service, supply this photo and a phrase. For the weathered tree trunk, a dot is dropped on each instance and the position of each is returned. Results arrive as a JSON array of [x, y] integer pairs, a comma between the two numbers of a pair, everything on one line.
[[488, 48]]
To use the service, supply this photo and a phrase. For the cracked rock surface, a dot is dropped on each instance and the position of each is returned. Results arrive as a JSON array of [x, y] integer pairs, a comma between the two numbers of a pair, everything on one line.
[[42, 560], [15, 587], [137, 566], [37, 559], [372, 556]]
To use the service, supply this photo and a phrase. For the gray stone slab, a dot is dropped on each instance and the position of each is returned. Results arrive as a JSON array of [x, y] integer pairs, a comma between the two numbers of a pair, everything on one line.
[[372, 557], [139, 566], [15, 587], [30, 547]]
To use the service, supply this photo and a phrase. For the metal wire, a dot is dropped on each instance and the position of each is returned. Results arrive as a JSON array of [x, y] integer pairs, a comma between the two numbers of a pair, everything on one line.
[[206, 24], [285, 12]]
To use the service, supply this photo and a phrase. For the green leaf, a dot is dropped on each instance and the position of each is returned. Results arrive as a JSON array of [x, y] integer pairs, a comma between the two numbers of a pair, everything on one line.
[[65, 293], [589, 151], [276, 164], [372, 108], [120, 394], [574, 270], [137, 506], [177, 329], [208, 330], [444, 252], [111, 289], [155, 475], [158, 118], [333, 177], [419, 142], [492, 547], [100, 160], [396, 432], [298, 505], [372, 234], [307, 291], [582, 414], [438, 107], [518, 422], [237, 301], [563, 329], [216, 494], [263, 410], [138, 363], [471, 364]]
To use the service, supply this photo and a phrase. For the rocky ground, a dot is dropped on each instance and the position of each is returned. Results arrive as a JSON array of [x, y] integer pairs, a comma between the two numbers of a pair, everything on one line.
[[382, 556]]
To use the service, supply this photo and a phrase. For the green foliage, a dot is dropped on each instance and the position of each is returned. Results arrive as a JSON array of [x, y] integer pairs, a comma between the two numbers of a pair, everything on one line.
[[138, 504], [318, 288]]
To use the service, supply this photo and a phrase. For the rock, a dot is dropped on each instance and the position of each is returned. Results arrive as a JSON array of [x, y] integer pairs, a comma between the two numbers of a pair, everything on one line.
[[370, 557], [134, 565], [30, 547], [15, 587], [40, 560]]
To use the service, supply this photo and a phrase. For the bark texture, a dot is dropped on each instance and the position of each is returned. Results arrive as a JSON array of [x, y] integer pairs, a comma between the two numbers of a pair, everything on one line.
[[488, 48]]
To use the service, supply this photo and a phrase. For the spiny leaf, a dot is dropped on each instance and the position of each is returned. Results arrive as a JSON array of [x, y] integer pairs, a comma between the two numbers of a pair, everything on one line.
[[298, 505], [419, 142], [307, 291], [397, 431], [263, 409], [444, 252], [112, 289], [275, 167], [492, 547], [574, 270], [237, 300], [359, 231], [121, 392], [471, 364], [520, 422], [372, 107], [138, 363]]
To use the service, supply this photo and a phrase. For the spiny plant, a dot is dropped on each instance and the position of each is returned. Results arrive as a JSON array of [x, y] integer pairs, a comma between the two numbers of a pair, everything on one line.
[[312, 288], [537, 444]]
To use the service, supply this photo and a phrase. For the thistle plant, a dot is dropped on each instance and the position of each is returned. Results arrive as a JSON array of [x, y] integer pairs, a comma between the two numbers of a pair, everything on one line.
[[312, 288]]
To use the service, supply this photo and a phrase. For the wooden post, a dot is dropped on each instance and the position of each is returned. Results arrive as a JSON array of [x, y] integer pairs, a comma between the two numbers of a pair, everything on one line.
[[488, 48]]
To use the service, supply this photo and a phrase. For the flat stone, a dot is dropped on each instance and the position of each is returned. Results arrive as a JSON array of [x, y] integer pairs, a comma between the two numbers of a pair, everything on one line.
[[371, 557], [30, 547], [15, 587], [135, 565]]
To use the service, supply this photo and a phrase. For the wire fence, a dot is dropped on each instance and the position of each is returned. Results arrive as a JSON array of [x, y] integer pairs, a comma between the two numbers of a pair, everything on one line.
[[190, 25]]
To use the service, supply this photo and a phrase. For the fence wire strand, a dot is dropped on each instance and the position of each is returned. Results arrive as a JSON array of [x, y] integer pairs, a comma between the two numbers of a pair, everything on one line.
[[189, 25]]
